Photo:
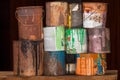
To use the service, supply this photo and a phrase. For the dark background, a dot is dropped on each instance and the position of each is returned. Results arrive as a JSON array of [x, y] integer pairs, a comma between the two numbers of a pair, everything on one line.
[[9, 31]]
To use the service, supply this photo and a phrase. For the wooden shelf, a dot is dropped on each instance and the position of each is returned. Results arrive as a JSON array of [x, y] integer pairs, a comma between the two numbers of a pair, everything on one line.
[[110, 75]]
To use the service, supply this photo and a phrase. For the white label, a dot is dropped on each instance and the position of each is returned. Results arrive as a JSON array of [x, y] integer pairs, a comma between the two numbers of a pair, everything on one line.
[[92, 20]]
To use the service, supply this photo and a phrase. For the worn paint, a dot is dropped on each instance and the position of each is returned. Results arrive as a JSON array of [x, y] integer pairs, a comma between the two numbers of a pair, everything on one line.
[[54, 63], [56, 13], [99, 40], [91, 64], [30, 22], [54, 39], [94, 14], [76, 40]]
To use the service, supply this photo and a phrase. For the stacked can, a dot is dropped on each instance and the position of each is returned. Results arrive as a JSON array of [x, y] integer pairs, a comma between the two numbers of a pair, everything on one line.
[[94, 19], [54, 39], [28, 50]]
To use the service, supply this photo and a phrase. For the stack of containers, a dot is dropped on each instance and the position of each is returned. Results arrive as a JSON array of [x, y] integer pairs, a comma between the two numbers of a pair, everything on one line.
[[94, 19], [75, 34], [54, 39], [28, 50]]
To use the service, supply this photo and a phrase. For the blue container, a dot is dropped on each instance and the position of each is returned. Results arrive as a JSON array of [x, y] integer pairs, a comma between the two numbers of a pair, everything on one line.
[[54, 63]]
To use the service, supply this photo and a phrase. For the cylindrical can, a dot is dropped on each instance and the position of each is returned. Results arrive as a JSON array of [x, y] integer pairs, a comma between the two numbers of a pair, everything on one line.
[[15, 58], [54, 63], [75, 15], [30, 22], [54, 38], [99, 40], [70, 60], [91, 64], [56, 13], [76, 40], [29, 52], [94, 14]]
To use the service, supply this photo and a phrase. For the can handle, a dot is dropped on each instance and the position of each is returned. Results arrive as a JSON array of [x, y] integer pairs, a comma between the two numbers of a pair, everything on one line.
[[24, 23]]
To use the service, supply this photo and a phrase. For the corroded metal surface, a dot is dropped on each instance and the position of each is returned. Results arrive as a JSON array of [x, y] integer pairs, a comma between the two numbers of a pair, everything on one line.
[[54, 63], [56, 13], [30, 22], [99, 40]]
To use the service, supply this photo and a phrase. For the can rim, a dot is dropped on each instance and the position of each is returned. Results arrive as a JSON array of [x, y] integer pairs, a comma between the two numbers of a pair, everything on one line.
[[29, 7]]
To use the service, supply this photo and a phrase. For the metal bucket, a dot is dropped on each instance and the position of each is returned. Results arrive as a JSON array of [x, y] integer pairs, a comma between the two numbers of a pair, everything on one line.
[[75, 15], [99, 40], [28, 58], [30, 22], [91, 64], [54, 38], [70, 60], [76, 40], [54, 63], [94, 14], [56, 13]]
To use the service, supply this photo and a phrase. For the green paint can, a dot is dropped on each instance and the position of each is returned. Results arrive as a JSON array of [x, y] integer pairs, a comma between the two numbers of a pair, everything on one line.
[[76, 40]]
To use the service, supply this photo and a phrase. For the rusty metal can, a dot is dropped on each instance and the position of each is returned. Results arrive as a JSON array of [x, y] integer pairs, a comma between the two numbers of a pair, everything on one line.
[[99, 40], [94, 14], [54, 63], [91, 64], [30, 58], [56, 13], [76, 40], [75, 15], [30, 22]]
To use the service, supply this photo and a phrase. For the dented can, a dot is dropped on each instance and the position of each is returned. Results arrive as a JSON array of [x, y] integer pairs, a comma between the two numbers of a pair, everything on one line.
[[76, 40], [91, 64], [94, 14], [99, 40], [54, 63], [54, 39], [56, 13]]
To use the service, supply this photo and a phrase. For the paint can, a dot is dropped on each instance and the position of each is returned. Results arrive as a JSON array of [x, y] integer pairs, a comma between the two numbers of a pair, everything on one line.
[[54, 63], [56, 13], [30, 22], [91, 64], [75, 15], [29, 58], [94, 14], [70, 60], [76, 40], [99, 40], [54, 38]]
